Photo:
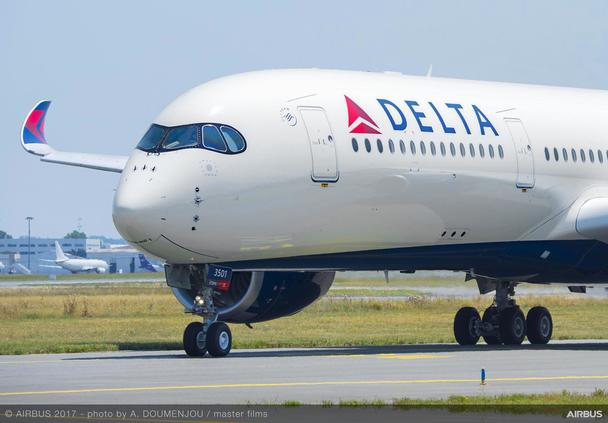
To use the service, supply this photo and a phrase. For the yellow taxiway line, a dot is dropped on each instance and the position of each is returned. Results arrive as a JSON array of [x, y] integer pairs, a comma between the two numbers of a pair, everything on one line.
[[294, 384], [392, 355]]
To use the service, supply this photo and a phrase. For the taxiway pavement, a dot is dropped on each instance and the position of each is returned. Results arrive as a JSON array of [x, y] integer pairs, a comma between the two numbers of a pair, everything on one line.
[[304, 375]]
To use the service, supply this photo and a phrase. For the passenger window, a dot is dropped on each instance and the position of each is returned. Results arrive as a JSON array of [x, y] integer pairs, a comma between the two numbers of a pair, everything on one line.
[[183, 136], [422, 148], [452, 149], [402, 146], [380, 146], [442, 148], [491, 151], [355, 145], [600, 156], [368, 145], [573, 152], [152, 138], [501, 152], [462, 150], [482, 153], [212, 139], [413, 147], [547, 155], [433, 149], [472, 150], [565, 154], [391, 146], [234, 140], [555, 154], [591, 157], [582, 155]]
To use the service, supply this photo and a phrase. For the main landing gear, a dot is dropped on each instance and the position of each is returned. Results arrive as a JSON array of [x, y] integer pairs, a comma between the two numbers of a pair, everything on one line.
[[211, 335], [503, 322]]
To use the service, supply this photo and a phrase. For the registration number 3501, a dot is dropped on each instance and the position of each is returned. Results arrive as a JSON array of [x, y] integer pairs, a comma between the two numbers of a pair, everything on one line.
[[219, 276]]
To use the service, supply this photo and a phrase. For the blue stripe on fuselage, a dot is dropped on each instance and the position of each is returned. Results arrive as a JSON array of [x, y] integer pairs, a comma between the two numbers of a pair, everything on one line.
[[568, 261]]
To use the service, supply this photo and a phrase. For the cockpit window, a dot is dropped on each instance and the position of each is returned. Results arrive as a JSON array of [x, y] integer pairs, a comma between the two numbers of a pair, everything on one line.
[[181, 137], [212, 139], [234, 140], [209, 136], [152, 138]]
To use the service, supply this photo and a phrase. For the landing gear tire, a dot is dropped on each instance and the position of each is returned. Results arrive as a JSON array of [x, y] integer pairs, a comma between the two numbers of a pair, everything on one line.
[[194, 340], [466, 326], [219, 339], [539, 325], [490, 315], [512, 326]]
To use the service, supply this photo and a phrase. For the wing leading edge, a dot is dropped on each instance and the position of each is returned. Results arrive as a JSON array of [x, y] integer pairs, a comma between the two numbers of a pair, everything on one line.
[[34, 142]]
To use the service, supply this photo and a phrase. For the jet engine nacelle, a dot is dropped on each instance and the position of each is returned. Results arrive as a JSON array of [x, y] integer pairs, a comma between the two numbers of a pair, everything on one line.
[[253, 296], [100, 270]]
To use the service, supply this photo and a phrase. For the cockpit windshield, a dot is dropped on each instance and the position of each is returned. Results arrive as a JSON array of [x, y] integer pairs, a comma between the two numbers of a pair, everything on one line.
[[209, 136], [152, 138], [181, 137]]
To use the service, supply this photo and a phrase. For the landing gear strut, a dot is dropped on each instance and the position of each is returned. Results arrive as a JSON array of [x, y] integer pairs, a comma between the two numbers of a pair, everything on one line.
[[211, 335], [503, 322]]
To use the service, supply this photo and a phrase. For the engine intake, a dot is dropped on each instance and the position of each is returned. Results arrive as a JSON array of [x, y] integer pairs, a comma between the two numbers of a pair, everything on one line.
[[253, 296]]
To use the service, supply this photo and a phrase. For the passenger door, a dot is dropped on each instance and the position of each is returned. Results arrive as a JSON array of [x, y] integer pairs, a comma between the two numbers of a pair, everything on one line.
[[523, 150], [322, 145]]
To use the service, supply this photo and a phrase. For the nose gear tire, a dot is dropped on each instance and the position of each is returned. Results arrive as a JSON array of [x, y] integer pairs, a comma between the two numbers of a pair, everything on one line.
[[194, 340], [219, 339]]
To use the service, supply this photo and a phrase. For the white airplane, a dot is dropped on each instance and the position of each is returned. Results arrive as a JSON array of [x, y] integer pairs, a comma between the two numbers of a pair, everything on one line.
[[256, 188], [2, 266], [77, 264]]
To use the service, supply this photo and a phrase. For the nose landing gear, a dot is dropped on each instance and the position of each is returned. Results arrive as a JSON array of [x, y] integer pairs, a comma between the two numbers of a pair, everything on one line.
[[211, 335], [503, 322]]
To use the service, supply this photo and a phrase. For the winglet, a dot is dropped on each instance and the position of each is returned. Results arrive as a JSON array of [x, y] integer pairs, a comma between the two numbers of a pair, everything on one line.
[[32, 132]]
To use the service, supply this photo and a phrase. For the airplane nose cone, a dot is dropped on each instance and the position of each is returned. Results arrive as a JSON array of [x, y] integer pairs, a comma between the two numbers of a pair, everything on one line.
[[138, 211]]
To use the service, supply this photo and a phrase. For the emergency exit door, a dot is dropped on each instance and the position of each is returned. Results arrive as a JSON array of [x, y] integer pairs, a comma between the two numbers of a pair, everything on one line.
[[322, 145], [523, 150]]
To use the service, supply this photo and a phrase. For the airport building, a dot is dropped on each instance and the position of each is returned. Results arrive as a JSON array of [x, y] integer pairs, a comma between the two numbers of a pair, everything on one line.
[[120, 256]]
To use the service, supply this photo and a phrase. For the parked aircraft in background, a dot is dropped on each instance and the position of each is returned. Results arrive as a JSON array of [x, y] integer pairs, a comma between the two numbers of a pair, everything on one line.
[[256, 188], [2, 266], [144, 263], [76, 264]]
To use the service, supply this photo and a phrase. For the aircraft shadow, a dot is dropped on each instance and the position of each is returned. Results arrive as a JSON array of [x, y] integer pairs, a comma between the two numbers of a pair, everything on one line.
[[355, 350]]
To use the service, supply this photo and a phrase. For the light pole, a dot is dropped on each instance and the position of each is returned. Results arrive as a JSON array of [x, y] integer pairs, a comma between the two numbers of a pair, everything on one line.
[[29, 241]]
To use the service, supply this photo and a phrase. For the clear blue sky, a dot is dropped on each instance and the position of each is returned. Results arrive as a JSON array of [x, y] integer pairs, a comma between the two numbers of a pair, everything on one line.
[[111, 66]]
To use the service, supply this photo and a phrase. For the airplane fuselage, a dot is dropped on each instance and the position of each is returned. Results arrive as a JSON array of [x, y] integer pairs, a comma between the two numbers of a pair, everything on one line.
[[77, 265], [350, 170]]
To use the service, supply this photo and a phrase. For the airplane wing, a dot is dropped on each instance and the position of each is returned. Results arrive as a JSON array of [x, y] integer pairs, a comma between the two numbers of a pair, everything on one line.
[[50, 265], [34, 142]]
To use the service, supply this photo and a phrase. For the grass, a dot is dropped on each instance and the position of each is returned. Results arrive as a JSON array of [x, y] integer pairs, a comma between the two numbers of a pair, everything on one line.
[[599, 397], [85, 318], [397, 280], [379, 292], [79, 276]]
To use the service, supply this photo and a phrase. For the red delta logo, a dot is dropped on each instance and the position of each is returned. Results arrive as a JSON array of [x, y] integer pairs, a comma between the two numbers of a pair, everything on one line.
[[359, 122]]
